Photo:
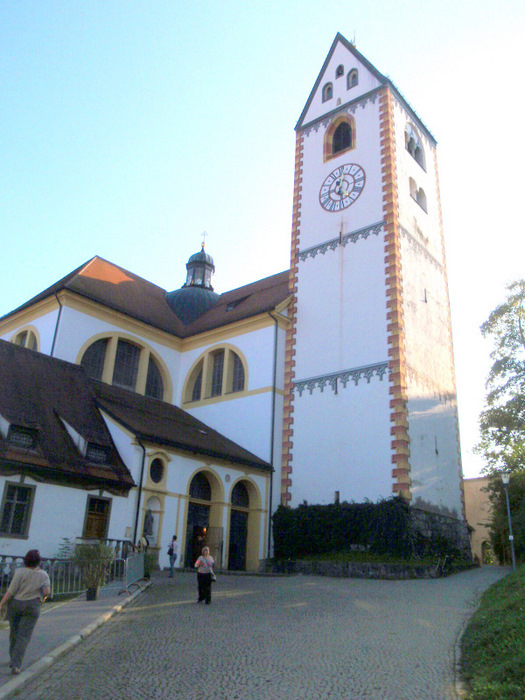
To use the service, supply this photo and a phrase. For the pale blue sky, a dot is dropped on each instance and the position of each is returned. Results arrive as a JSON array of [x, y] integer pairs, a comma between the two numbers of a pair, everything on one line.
[[130, 127]]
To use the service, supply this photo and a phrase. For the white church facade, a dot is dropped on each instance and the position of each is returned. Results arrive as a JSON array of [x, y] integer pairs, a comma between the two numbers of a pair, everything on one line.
[[331, 380]]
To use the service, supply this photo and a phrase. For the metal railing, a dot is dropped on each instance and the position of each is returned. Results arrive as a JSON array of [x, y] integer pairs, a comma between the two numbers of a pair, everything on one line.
[[65, 575]]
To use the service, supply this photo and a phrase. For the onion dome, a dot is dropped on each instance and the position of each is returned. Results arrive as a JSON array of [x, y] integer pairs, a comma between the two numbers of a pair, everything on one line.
[[196, 295]]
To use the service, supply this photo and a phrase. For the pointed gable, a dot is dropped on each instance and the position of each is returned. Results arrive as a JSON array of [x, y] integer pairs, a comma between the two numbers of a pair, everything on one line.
[[350, 76]]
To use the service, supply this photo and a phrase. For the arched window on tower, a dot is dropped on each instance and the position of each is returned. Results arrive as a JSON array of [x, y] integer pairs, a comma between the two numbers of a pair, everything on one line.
[[339, 137], [352, 79], [328, 92], [413, 145], [339, 71], [342, 139]]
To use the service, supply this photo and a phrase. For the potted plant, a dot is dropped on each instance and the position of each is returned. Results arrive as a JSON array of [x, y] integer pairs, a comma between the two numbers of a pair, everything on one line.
[[94, 561], [151, 563]]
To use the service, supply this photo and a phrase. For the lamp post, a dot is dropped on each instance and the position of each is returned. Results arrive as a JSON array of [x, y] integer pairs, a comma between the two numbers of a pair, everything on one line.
[[505, 477]]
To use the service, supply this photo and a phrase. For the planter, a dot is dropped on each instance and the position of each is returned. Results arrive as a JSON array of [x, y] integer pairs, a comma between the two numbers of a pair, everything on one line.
[[91, 593]]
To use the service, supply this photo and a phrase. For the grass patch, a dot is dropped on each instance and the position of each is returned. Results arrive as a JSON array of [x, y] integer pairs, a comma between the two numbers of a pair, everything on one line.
[[493, 646]]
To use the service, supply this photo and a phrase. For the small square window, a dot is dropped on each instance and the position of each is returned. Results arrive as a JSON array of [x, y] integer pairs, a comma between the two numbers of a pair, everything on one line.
[[17, 504], [22, 437]]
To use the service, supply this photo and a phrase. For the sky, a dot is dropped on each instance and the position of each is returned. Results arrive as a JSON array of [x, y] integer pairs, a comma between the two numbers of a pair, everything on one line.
[[130, 127]]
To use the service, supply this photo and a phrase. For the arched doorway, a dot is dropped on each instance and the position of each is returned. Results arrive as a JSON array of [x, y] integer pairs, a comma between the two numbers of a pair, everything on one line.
[[198, 517], [240, 505]]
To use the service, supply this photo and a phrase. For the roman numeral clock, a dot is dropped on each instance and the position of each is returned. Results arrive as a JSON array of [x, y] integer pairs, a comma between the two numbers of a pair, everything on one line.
[[342, 187]]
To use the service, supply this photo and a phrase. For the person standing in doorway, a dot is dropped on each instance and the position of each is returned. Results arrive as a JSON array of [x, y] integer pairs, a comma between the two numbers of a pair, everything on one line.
[[172, 554], [204, 566], [29, 587]]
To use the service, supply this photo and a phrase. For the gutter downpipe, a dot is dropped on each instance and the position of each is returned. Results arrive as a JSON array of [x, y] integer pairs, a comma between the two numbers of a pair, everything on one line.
[[272, 430], [56, 325], [139, 497]]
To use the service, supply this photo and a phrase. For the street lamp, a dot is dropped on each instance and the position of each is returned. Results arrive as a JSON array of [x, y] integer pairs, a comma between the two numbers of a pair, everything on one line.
[[505, 477]]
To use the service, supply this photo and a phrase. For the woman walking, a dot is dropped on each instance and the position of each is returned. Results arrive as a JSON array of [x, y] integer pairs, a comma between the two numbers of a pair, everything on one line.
[[204, 566], [28, 589], [172, 554]]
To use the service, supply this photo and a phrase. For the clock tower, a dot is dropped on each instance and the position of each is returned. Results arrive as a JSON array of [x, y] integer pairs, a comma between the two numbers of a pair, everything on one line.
[[370, 400]]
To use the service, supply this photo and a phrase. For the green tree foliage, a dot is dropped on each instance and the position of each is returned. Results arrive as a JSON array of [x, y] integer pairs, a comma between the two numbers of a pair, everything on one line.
[[499, 532], [502, 422]]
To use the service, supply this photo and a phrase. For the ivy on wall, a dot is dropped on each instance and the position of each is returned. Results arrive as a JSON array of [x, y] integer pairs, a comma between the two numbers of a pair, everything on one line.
[[386, 527]]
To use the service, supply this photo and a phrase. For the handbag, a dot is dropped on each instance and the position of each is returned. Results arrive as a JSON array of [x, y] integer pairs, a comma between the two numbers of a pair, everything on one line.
[[170, 552]]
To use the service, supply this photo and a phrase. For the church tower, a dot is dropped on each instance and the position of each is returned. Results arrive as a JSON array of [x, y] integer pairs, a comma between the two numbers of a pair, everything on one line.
[[370, 399]]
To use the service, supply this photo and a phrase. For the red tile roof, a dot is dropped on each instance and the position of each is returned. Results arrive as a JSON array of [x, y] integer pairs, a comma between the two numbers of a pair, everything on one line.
[[162, 423], [116, 288], [39, 392]]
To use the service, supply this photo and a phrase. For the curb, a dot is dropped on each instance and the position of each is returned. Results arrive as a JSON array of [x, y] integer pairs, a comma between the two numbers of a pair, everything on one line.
[[13, 686]]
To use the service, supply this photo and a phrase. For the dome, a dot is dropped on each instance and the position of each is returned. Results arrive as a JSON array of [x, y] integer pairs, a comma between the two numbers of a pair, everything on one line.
[[190, 302], [201, 257], [196, 295]]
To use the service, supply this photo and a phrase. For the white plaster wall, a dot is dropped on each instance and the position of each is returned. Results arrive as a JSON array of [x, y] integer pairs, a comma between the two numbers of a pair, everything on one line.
[[181, 470], [341, 442], [59, 511], [435, 468], [341, 309], [76, 328], [367, 82], [246, 421], [318, 225], [45, 325]]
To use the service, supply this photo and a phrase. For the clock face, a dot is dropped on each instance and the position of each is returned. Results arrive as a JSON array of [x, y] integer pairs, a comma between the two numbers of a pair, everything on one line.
[[342, 187]]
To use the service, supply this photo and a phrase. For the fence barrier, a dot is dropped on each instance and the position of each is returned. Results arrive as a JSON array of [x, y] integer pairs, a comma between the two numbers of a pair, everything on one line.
[[65, 575]]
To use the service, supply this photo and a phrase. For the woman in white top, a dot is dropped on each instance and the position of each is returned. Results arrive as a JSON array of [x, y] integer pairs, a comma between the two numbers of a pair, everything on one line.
[[28, 588], [172, 554], [204, 566]]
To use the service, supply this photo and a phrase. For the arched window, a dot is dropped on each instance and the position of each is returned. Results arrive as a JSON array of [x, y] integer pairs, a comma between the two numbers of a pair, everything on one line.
[[154, 383], [339, 137], [219, 372], [413, 145], [196, 389], [352, 79], [26, 339], [328, 92], [200, 487], [342, 139], [240, 495], [238, 374], [122, 366], [126, 366], [93, 359], [339, 71], [418, 194]]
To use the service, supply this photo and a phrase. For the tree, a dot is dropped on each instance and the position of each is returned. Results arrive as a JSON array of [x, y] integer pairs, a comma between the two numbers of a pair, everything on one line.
[[502, 422]]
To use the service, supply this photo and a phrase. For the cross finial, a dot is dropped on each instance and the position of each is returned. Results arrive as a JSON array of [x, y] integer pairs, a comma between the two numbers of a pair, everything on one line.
[[203, 234]]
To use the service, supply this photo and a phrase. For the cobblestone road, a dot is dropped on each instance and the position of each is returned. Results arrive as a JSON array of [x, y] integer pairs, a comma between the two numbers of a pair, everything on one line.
[[275, 639]]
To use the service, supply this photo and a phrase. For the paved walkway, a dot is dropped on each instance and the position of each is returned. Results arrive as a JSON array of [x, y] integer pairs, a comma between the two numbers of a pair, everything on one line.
[[265, 638]]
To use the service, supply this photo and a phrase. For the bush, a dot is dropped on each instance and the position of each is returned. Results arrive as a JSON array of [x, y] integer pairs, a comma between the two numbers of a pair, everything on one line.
[[94, 560], [379, 528]]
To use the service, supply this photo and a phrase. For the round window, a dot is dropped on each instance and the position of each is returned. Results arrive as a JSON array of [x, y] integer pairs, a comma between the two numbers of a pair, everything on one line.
[[156, 471]]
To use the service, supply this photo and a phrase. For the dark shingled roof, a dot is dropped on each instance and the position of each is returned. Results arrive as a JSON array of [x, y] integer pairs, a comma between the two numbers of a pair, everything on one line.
[[161, 423], [116, 288], [36, 392]]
